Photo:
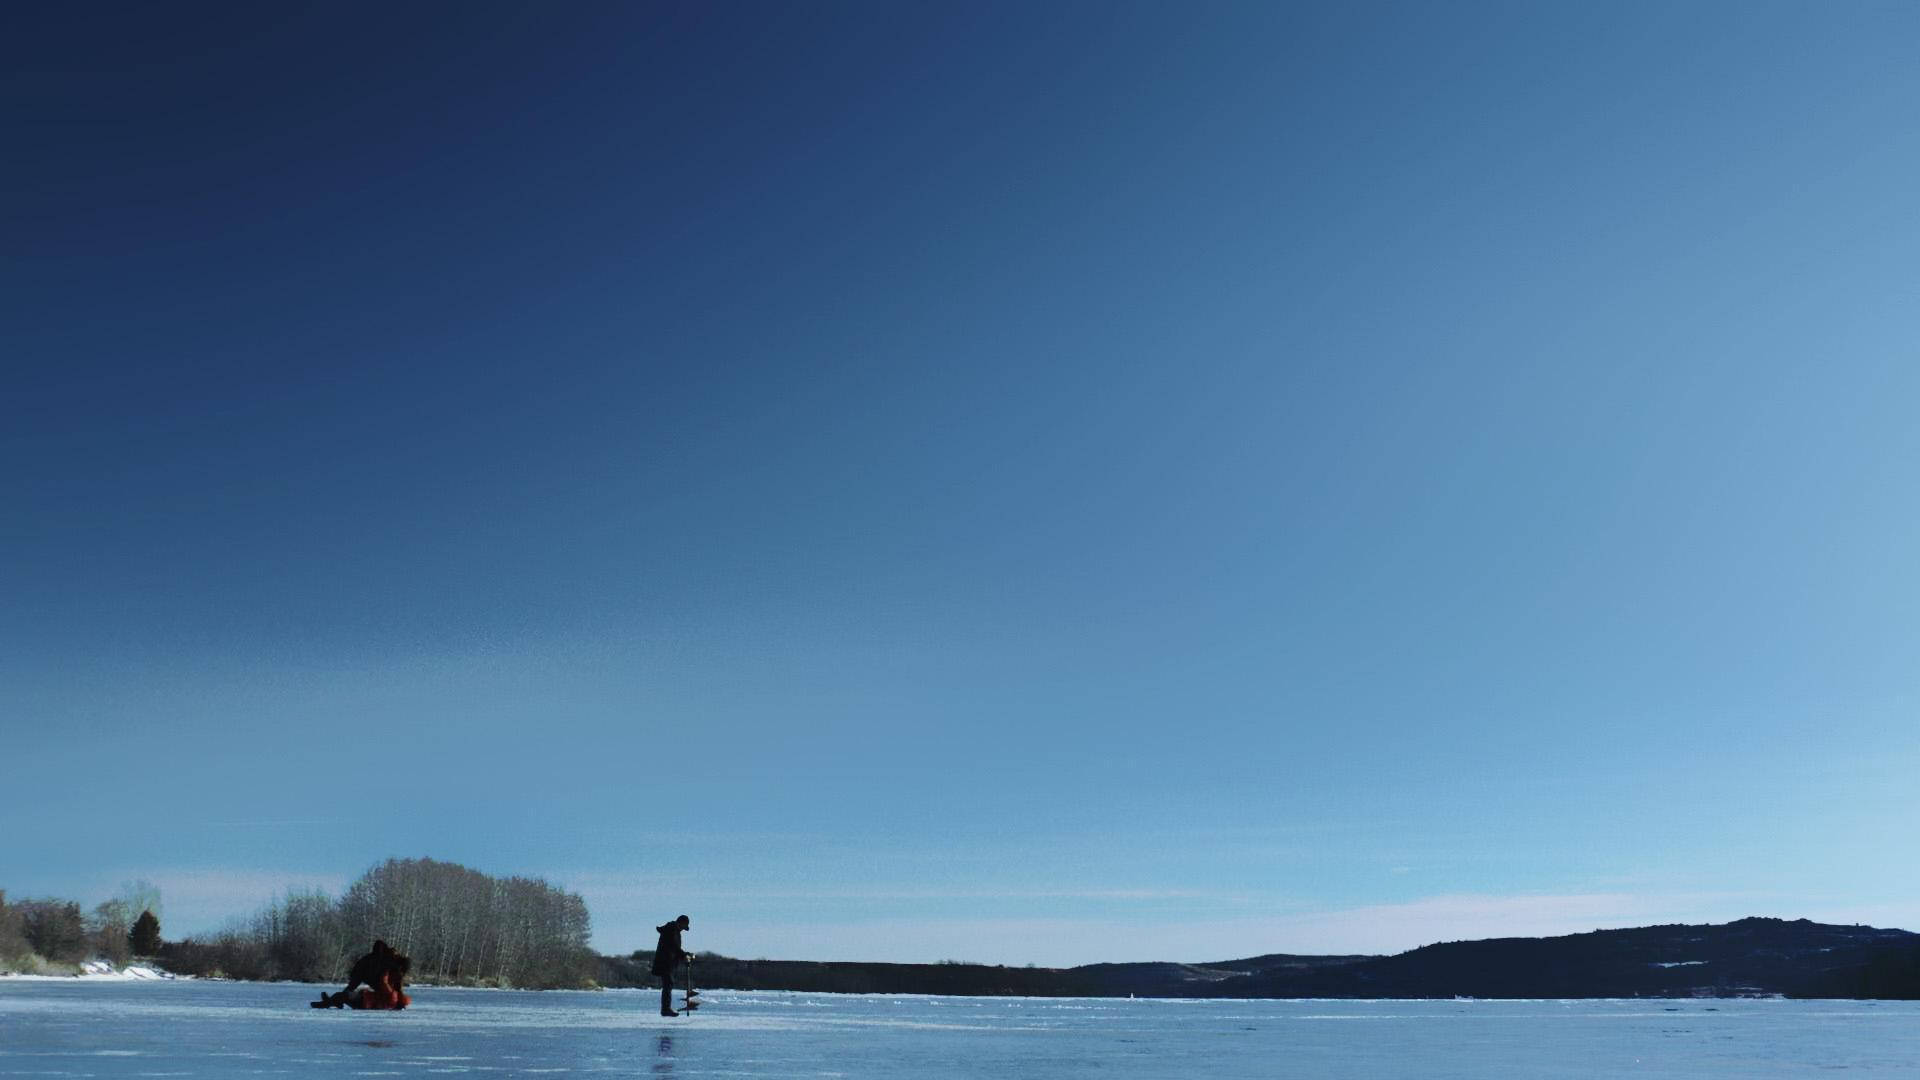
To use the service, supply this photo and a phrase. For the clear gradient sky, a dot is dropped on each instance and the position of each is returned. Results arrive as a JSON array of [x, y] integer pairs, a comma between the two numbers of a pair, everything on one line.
[[1020, 483]]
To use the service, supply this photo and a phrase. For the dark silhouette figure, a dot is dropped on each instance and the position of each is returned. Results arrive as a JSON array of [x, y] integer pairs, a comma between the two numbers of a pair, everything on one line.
[[667, 957], [382, 971]]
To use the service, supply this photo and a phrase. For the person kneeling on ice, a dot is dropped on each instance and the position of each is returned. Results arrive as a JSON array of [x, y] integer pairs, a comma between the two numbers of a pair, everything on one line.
[[383, 971], [667, 957]]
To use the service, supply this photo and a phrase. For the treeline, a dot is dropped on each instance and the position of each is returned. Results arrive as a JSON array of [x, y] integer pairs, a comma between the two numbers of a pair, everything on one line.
[[716, 972], [459, 925], [1748, 957], [1890, 974], [49, 935]]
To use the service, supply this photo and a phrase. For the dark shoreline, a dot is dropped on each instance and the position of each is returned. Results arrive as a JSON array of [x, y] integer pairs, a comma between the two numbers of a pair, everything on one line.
[[1753, 957], [1750, 958]]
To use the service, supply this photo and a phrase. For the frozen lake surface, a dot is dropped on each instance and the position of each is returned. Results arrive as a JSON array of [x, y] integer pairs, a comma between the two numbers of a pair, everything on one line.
[[75, 1028]]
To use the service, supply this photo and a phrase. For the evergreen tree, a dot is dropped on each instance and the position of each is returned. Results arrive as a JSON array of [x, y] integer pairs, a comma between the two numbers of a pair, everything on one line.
[[145, 935]]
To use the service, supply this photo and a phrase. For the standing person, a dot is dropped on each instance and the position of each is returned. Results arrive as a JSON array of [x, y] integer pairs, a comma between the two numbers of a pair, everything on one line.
[[667, 957]]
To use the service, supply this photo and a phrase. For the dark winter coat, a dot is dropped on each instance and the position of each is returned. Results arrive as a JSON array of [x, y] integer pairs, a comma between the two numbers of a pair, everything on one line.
[[668, 954], [366, 971], [373, 967]]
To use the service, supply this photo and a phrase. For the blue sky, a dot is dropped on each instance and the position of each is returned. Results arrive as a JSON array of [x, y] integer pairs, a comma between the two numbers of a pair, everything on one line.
[[1009, 483]]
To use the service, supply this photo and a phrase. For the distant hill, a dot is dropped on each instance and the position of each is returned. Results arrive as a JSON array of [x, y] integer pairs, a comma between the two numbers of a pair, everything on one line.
[[1753, 956], [1747, 957]]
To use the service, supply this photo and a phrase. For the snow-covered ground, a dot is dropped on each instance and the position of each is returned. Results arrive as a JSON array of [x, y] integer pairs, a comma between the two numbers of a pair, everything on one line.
[[104, 971]]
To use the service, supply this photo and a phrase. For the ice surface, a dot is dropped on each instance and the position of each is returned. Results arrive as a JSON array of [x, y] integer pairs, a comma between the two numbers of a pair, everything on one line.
[[79, 1027]]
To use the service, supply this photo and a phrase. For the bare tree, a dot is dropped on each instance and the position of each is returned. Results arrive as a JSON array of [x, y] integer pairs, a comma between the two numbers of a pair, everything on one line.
[[13, 939], [107, 929], [140, 895], [54, 929], [458, 925]]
